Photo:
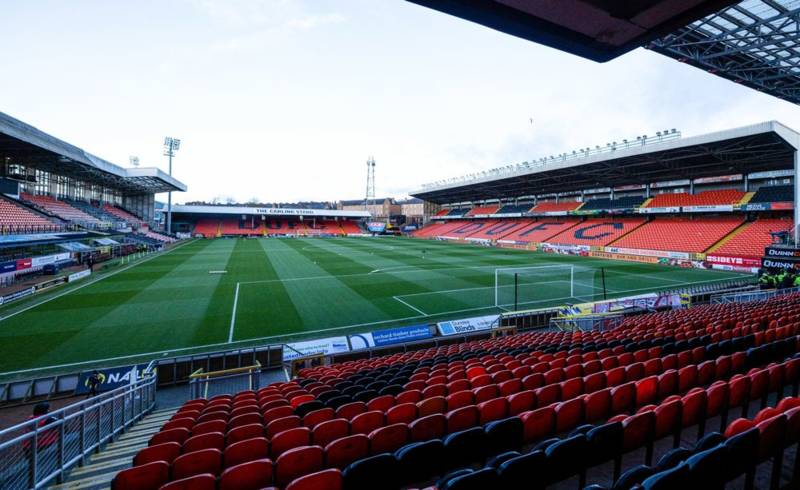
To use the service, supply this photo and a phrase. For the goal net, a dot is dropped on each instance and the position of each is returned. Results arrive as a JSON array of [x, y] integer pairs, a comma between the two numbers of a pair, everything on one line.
[[519, 288]]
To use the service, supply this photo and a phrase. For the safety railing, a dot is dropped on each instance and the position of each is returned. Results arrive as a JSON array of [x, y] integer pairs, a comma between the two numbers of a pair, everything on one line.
[[587, 323], [228, 381], [748, 296], [40, 451]]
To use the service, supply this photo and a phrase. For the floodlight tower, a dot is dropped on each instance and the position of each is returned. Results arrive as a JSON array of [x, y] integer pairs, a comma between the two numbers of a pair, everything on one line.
[[370, 182], [171, 146]]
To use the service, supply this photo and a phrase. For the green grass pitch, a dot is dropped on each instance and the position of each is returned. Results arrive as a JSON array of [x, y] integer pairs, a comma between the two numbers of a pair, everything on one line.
[[283, 289]]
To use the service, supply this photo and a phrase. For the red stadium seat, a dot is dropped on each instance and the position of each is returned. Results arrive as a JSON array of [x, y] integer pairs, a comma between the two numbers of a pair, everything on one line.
[[205, 481], [150, 476], [244, 451], [253, 475], [196, 463]]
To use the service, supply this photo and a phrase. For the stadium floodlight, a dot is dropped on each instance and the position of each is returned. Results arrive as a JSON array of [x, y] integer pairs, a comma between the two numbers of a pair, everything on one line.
[[171, 146]]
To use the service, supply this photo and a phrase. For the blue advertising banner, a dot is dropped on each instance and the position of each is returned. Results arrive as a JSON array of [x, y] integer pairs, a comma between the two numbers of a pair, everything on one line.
[[390, 336], [110, 378], [376, 226], [9, 266], [401, 334]]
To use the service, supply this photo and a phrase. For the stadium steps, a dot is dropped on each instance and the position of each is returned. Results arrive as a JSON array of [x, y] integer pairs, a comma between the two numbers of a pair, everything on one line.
[[101, 467], [646, 202], [747, 197], [729, 236]]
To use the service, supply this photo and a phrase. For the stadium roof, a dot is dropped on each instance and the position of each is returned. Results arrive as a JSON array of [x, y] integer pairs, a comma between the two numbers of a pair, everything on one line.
[[760, 147], [596, 29], [754, 43], [25, 145]]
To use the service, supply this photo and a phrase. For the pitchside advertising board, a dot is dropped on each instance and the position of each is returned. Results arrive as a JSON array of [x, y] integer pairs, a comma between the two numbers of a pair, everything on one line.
[[328, 346], [781, 258], [468, 325], [111, 379], [376, 227], [390, 336]]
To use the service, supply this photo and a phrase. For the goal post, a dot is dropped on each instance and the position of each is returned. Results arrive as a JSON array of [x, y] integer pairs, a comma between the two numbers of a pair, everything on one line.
[[539, 286]]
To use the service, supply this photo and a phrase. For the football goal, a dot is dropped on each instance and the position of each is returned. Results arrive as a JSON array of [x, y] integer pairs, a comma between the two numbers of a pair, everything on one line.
[[518, 288]]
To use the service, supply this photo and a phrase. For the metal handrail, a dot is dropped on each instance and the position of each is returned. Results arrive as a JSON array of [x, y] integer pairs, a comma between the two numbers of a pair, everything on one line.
[[41, 451], [747, 296], [199, 381]]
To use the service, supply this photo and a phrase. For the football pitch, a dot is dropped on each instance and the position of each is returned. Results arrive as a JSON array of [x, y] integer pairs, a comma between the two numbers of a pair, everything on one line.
[[277, 290]]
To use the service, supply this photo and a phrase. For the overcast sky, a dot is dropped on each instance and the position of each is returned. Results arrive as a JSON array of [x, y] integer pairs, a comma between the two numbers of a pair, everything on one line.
[[284, 100]]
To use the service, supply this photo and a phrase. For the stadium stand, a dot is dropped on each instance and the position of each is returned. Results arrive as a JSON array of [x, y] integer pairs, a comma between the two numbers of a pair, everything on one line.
[[95, 211], [773, 193], [482, 210], [207, 227], [430, 230], [320, 227], [554, 207], [17, 219], [442, 212], [627, 202], [447, 228], [751, 239], [541, 230], [522, 411], [680, 234], [350, 227], [497, 229], [457, 212], [60, 209], [233, 226], [597, 231], [124, 215], [514, 208], [706, 198], [159, 236]]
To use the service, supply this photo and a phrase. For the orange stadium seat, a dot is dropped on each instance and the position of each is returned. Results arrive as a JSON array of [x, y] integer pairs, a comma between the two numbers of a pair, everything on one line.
[[597, 231], [17, 219], [680, 234], [751, 240], [706, 198], [59, 208], [542, 230]]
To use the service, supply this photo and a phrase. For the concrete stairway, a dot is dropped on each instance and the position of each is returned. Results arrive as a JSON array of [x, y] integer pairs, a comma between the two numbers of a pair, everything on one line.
[[101, 467]]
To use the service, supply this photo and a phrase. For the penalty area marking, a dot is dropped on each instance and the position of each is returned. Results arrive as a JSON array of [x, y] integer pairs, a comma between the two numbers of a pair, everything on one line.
[[233, 313], [217, 272], [411, 306]]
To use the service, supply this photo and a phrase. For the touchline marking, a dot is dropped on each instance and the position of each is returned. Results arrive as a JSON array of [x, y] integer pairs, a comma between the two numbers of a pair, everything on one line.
[[34, 305], [410, 306], [233, 314]]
